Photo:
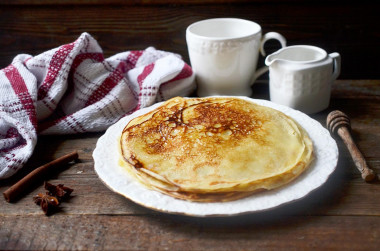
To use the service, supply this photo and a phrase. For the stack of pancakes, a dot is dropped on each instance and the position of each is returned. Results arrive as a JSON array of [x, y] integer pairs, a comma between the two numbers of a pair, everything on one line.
[[214, 149]]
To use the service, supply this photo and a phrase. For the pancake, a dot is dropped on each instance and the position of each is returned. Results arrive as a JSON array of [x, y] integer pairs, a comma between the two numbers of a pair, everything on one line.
[[214, 149]]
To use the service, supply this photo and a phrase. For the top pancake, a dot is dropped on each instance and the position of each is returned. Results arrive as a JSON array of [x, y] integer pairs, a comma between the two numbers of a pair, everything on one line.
[[215, 145]]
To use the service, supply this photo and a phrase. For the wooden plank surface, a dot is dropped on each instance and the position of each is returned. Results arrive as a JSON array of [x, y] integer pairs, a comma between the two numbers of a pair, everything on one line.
[[154, 2], [350, 28], [342, 214], [155, 232]]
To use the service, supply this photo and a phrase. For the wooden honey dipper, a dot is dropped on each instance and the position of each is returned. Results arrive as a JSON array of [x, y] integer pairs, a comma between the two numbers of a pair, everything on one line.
[[338, 123]]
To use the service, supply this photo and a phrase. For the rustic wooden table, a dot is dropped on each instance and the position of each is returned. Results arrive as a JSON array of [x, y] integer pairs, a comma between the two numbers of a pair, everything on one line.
[[342, 214]]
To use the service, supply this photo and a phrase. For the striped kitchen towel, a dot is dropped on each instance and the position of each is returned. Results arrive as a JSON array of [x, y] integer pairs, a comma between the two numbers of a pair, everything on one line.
[[74, 89]]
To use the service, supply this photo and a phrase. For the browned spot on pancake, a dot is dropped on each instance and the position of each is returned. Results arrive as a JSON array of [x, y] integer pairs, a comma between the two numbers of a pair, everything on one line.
[[227, 117], [218, 182], [212, 123], [134, 161]]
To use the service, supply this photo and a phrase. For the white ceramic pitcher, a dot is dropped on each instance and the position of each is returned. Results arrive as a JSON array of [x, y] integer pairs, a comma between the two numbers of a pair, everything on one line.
[[301, 76]]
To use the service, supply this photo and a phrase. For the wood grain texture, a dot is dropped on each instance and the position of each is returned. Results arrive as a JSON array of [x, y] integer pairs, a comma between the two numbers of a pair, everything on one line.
[[153, 2], [156, 232], [124, 2], [348, 28], [342, 214]]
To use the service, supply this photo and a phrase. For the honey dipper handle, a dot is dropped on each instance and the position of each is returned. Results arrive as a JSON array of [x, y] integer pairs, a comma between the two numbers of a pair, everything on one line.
[[367, 173]]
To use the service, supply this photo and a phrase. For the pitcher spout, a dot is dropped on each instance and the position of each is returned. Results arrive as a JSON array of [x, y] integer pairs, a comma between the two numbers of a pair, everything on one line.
[[297, 54], [272, 58], [269, 60]]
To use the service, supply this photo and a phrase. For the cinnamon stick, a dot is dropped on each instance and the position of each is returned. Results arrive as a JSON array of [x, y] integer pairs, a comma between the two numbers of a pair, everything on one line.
[[36, 175]]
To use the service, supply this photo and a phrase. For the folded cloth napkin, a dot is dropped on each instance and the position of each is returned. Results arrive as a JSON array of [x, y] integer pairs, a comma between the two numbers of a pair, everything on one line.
[[74, 89]]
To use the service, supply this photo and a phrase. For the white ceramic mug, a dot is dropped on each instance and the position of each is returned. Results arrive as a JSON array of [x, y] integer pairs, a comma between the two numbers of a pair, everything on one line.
[[224, 53], [300, 77]]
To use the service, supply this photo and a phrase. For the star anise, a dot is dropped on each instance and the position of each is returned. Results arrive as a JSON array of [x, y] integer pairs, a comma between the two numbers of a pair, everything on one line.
[[48, 203], [53, 197], [59, 191]]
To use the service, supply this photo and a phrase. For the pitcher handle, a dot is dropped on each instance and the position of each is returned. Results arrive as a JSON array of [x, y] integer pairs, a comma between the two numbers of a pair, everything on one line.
[[336, 58], [266, 37]]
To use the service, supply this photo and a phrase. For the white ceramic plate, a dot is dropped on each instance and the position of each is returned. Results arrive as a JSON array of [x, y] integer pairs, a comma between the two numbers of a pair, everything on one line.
[[118, 179]]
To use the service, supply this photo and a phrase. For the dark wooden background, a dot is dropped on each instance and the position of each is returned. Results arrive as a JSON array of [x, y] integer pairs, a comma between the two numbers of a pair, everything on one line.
[[348, 27]]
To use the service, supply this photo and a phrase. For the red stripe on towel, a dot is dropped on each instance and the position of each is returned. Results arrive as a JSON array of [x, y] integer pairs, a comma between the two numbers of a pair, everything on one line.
[[132, 59], [19, 87], [107, 85], [55, 66]]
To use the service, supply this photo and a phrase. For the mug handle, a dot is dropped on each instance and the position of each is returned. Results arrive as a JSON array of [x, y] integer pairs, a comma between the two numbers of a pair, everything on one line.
[[336, 58], [266, 37]]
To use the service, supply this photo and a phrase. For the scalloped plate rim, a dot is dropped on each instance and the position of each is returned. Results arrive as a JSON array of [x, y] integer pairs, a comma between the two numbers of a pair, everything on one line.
[[106, 166]]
